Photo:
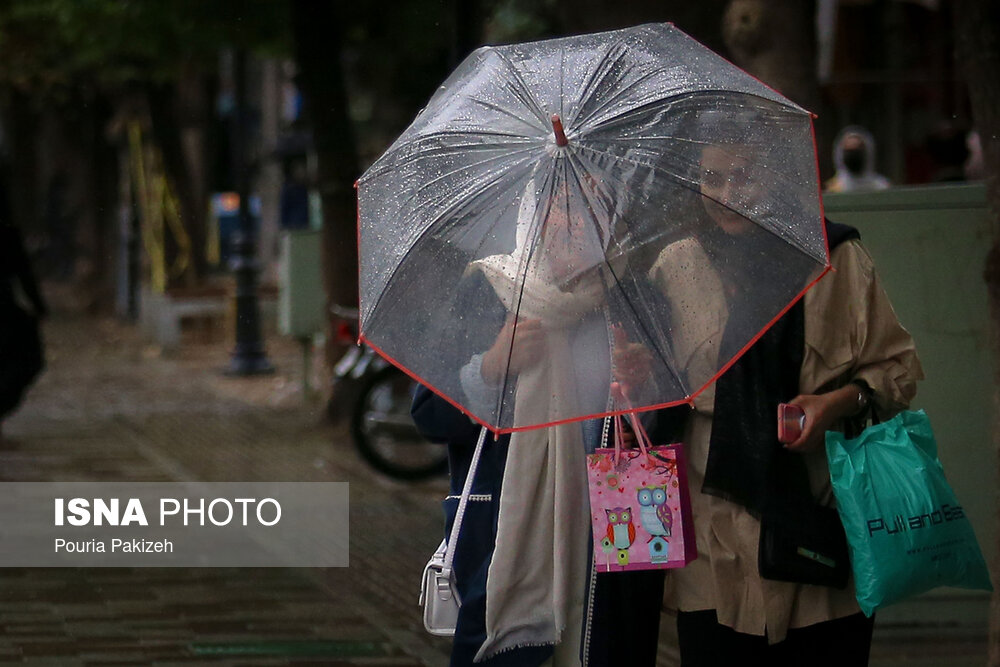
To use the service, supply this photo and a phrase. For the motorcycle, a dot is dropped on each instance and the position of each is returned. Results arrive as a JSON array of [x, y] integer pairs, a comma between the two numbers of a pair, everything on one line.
[[378, 396]]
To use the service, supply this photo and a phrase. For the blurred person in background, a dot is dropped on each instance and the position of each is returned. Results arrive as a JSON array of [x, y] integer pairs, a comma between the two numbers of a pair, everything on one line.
[[21, 309], [854, 159], [948, 149], [974, 167], [295, 195]]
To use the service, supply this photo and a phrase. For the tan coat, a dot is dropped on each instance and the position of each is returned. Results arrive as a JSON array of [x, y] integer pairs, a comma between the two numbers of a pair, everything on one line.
[[851, 332]]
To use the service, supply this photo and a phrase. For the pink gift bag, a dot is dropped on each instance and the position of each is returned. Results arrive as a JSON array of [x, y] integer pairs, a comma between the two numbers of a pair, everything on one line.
[[639, 505]]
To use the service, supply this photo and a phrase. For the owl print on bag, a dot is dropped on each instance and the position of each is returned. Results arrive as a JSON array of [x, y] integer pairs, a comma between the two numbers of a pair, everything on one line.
[[654, 513], [621, 531]]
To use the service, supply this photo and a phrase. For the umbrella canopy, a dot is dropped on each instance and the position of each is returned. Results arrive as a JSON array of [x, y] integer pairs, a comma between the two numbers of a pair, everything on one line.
[[567, 213]]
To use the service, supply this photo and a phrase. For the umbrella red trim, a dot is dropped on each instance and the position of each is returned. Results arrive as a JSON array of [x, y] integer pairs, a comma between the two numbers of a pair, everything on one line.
[[357, 233], [819, 191], [687, 400], [362, 339], [501, 431]]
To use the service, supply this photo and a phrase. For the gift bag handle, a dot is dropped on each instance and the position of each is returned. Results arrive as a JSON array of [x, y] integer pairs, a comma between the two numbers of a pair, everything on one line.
[[619, 395]]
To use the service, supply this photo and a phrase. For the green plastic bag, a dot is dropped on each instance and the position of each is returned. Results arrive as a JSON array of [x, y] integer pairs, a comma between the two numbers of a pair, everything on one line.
[[905, 528]]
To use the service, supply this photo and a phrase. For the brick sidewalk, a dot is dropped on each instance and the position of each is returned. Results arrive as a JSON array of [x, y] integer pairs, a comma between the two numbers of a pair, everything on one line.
[[112, 408]]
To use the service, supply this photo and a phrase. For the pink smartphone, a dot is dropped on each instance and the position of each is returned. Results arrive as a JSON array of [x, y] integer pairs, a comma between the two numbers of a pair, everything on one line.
[[791, 421]]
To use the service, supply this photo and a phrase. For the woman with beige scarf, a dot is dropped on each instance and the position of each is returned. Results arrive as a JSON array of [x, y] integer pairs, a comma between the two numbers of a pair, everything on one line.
[[540, 602]]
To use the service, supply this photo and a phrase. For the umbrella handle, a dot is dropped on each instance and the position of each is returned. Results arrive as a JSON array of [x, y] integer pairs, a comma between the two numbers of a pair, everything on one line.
[[557, 127]]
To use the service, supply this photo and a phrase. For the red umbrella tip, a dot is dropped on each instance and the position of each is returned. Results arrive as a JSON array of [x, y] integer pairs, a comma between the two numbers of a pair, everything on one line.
[[557, 127]]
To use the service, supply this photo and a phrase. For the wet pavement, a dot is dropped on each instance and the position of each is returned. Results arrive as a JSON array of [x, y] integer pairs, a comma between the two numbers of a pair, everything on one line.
[[112, 407]]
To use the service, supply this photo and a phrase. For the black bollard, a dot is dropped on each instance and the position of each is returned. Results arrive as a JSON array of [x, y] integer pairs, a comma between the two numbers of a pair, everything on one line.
[[249, 356]]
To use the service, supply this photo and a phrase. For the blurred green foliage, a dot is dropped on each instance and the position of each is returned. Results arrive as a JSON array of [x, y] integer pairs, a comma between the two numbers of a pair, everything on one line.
[[521, 20], [47, 46]]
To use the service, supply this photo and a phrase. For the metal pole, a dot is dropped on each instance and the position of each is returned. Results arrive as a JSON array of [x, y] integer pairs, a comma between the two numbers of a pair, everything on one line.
[[249, 357]]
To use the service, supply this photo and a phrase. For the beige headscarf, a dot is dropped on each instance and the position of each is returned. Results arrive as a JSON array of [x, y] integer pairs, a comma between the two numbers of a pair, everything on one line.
[[536, 584]]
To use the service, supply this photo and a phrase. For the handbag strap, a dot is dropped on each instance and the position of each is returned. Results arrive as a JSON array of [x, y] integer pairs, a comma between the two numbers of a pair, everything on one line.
[[456, 527]]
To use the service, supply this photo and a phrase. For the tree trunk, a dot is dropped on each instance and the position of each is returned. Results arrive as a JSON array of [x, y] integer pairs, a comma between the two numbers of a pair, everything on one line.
[[195, 106], [20, 123], [775, 40], [101, 188], [170, 128], [977, 36], [316, 28]]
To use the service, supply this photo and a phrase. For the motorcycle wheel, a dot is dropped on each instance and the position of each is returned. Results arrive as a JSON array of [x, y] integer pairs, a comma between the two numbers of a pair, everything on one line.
[[384, 433]]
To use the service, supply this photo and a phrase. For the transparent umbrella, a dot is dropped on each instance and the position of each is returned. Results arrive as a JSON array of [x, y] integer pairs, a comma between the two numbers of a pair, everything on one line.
[[623, 206]]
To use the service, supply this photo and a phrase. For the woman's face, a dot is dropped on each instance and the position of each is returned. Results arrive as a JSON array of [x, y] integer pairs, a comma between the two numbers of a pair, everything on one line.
[[562, 238], [569, 244], [726, 184]]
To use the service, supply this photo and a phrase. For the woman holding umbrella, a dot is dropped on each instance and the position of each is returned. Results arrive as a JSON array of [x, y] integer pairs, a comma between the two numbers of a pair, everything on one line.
[[837, 353], [523, 561]]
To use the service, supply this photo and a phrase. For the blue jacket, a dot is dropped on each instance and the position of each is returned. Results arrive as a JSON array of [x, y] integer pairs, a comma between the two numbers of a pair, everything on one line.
[[440, 422]]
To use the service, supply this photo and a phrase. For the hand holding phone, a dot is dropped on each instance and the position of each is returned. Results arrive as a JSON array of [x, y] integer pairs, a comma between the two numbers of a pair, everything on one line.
[[791, 421]]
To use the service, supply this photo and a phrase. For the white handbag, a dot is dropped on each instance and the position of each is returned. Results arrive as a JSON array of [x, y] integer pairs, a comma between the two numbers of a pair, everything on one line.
[[438, 596], [438, 593]]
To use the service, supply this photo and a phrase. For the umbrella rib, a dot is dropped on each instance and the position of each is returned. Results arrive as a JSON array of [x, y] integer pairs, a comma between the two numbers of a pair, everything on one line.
[[562, 80], [625, 158], [392, 153], [471, 133], [688, 185], [789, 107], [507, 112], [513, 336], [533, 234], [525, 93], [661, 170], [641, 322], [449, 174], [615, 53], [389, 163], [685, 184], [585, 191], [632, 160], [460, 202], [667, 363], [614, 98], [436, 151]]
